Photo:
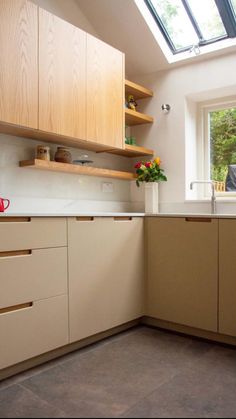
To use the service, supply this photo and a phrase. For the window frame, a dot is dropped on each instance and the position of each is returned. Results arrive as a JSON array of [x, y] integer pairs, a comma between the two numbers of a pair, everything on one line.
[[227, 15], [206, 109]]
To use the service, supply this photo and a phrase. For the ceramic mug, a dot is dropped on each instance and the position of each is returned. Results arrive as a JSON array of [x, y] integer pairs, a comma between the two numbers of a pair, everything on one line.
[[2, 204]]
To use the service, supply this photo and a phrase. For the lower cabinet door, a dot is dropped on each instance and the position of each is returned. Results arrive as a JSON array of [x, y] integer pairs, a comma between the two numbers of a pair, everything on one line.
[[106, 274], [31, 329], [227, 277], [183, 271]]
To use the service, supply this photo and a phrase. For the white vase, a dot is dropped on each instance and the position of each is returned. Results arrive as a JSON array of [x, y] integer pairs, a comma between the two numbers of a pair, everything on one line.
[[151, 198]]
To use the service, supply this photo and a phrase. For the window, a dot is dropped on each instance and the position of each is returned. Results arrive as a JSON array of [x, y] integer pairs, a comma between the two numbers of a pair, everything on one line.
[[221, 147], [188, 24]]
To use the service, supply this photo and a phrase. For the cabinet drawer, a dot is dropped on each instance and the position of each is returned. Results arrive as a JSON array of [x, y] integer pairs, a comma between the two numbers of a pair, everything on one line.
[[34, 330], [32, 276], [32, 233]]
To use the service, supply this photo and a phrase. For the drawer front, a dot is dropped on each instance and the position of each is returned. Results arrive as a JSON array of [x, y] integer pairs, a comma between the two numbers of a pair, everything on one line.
[[32, 331], [32, 233], [32, 275]]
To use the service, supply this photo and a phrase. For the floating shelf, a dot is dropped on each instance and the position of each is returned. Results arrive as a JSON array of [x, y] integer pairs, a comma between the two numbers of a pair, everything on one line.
[[137, 118], [139, 92], [75, 169], [133, 151]]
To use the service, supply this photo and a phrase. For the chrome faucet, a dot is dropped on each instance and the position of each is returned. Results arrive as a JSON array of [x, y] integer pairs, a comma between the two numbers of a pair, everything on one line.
[[213, 195]]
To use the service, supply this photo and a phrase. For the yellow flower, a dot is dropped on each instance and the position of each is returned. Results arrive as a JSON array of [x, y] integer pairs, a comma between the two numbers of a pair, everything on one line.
[[143, 167], [158, 161]]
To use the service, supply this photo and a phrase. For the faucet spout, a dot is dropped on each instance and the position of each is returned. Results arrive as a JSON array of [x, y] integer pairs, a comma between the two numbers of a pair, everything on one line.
[[213, 195]]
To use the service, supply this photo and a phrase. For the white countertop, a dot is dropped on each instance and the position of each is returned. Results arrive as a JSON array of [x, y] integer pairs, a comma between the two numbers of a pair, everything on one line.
[[77, 214], [115, 214]]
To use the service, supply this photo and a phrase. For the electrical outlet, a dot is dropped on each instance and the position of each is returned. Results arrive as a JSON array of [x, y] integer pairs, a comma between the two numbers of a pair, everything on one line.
[[107, 187]]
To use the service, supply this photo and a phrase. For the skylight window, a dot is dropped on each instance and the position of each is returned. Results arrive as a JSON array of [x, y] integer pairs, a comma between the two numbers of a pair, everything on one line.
[[188, 24]]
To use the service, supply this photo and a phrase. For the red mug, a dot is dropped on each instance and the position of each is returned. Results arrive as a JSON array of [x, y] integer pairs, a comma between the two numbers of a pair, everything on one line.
[[2, 204]]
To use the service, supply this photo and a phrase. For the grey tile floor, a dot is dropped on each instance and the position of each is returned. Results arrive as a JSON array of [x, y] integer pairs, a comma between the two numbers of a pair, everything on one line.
[[140, 373]]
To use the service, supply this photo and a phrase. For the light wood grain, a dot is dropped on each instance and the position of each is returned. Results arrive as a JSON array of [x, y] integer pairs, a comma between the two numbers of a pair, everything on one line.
[[62, 77], [227, 283], [105, 94], [19, 63], [75, 169], [137, 118], [133, 151], [50, 137], [182, 262], [138, 91]]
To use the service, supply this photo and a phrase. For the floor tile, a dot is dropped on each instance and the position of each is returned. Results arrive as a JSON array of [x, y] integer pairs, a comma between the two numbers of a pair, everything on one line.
[[113, 377], [199, 392], [18, 402]]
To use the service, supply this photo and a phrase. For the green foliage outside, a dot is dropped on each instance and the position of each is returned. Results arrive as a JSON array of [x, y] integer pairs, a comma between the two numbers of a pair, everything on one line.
[[223, 142]]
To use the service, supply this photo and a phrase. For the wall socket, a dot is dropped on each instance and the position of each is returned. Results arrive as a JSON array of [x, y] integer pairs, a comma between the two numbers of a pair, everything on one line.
[[107, 187]]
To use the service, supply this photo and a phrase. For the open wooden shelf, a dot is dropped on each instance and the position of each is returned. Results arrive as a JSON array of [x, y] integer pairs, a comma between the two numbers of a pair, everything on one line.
[[75, 169], [137, 118], [139, 92], [133, 151]]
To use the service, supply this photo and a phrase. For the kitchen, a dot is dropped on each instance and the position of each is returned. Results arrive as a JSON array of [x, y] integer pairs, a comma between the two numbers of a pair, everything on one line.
[[116, 300]]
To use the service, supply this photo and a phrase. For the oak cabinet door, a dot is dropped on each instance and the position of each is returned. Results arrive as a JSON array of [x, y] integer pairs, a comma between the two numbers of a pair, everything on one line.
[[183, 271], [62, 77], [106, 274], [19, 63], [105, 94], [227, 277]]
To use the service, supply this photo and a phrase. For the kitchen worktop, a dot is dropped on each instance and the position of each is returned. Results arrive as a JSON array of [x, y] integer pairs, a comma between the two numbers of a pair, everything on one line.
[[115, 214]]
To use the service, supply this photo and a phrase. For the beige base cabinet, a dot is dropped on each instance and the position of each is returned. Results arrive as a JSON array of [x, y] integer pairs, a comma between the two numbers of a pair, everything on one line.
[[227, 277], [183, 271], [106, 274], [33, 288]]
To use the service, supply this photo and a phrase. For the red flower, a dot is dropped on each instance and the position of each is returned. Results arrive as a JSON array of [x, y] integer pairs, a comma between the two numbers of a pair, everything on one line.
[[148, 165], [138, 165]]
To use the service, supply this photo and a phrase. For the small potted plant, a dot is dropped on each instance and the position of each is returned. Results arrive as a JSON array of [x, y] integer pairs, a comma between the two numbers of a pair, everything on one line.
[[151, 173]]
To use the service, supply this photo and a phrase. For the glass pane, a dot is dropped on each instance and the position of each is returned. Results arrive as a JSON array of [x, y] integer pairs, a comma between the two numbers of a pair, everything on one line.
[[234, 5], [176, 22], [208, 18], [223, 149]]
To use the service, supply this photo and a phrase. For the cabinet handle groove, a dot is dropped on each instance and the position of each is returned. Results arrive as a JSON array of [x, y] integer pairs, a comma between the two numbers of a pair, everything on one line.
[[16, 308], [84, 219], [123, 218], [15, 253], [15, 219], [198, 220]]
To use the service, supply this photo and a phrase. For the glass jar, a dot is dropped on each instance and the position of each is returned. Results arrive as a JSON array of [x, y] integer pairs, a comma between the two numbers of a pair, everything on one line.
[[63, 155], [43, 153]]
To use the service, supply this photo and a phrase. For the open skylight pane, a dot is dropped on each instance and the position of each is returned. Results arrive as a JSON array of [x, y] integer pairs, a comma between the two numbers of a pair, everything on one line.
[[176, 22], [208, 18]]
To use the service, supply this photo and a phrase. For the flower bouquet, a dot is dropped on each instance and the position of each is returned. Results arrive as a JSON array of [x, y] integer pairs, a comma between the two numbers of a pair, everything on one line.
[[150, 172]]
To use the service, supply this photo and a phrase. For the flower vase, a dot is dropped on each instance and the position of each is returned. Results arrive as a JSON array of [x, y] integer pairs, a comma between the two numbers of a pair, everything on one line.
[[151, 198]]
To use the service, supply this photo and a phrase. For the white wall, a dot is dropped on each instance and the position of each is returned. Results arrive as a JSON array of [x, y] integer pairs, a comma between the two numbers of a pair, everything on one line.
[[171, 135], [55, 191]]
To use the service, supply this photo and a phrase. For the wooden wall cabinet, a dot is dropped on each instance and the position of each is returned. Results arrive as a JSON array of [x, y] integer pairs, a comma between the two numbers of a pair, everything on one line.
[[19, 63], [62, 77], [105, 94], [227, 277], [106, 274], [182, 263]]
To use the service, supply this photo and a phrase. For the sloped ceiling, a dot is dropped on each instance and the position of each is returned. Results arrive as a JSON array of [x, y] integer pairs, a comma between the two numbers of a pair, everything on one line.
[[119, 23]]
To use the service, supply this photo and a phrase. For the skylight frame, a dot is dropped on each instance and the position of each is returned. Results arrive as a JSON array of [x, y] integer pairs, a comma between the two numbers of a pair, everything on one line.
[[227, 14]]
